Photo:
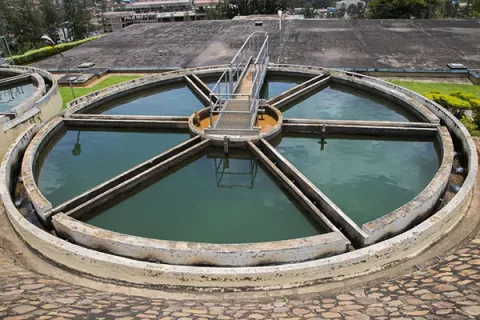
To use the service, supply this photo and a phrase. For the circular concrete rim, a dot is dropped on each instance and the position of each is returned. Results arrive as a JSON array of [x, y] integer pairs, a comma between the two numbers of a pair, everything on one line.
[[35, 79], [374, 230], [413, 241]]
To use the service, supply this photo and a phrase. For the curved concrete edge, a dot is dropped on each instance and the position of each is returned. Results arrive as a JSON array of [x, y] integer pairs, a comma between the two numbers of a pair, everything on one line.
[[90, 101], [30, 158], [399, 220], [193, 253], [30, 102], [454, 125], [363, 261], [33, 78], [411, 105], [44, 108]]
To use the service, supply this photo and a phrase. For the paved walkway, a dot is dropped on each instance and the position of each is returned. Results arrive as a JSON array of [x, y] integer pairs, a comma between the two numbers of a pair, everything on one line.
[[449, 289]]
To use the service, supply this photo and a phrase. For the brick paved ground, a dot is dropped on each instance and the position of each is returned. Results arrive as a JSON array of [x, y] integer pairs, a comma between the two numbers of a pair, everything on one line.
[[449, 289]]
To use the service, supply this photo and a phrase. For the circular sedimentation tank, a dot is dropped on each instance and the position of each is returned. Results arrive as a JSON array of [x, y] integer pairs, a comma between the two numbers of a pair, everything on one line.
[[27, 95], [348, 175]]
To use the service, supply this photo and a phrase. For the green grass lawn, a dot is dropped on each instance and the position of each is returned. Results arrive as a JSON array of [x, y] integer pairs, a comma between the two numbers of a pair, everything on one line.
[[424, 87], [66, 93]]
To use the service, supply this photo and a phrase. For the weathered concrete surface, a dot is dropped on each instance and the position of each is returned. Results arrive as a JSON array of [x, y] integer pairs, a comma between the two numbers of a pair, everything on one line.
[[124, 117], [364, 261], [361, 123], [331, 43], [447, 289], [126, 124], [194, 253], [352, 129], [28, 168], [6, 82], [41, 107], [199, 88]]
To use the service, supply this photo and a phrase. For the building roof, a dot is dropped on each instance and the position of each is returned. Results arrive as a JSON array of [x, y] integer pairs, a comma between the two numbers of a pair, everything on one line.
[[331, 43]]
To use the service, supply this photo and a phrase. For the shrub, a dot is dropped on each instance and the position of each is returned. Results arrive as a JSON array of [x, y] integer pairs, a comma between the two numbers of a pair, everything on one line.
[[463, 95], [475, 103], [37, 54], [469, 124], [449, 102]]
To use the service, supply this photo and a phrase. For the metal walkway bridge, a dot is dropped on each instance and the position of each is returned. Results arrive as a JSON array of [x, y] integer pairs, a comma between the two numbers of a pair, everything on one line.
[[234, 100]]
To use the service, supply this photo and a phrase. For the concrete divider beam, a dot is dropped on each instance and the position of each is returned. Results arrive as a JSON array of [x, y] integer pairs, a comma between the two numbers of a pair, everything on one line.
[[316, 128], [197, 91], [125, 124], [128, 185]]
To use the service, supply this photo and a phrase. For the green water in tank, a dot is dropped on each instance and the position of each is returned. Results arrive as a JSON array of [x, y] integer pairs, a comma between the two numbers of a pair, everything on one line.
[[76, 161], [210, 200], [339, 102], [365, 178], [172, 100]]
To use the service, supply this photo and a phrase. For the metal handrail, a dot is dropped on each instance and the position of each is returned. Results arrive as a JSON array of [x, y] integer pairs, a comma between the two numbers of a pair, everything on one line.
[[224, 88]]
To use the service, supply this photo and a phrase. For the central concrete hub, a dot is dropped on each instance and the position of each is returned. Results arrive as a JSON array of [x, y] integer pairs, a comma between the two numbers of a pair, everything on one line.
[[269, 120]]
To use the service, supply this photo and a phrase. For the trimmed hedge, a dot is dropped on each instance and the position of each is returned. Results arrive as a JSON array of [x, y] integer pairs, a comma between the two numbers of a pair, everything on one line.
[[463, 95], [449, 102], [469, 124], [475, 103], [37, 54], [457, 102]]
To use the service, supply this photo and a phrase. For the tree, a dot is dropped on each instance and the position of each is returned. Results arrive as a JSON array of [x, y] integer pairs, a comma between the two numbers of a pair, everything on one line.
[[341, 11], [50, 17], [213, 12], [308, 11], [476, 5], [356, 11], [400, 9], [77, 17], [22, 22]]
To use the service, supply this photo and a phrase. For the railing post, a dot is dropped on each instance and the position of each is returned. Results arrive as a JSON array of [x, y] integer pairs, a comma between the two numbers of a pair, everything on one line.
[[211, 116], [230, 76]]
